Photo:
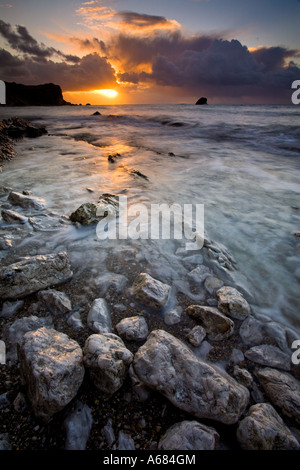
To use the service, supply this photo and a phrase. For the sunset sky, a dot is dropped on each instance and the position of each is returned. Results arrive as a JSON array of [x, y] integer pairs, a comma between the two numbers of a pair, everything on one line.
[[158, 51]]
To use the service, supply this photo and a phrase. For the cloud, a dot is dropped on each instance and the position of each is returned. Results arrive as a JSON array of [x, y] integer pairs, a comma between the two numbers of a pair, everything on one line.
[[273, 58], [20, 40]]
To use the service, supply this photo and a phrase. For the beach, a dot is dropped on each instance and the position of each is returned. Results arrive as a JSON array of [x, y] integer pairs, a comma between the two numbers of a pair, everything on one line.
[[229, 306]]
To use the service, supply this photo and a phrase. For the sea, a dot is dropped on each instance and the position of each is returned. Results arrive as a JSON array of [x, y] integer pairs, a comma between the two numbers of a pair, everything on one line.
[[241, 163]]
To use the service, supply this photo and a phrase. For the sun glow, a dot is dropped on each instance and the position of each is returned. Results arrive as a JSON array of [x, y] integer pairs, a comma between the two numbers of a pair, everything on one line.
[[107, 92]]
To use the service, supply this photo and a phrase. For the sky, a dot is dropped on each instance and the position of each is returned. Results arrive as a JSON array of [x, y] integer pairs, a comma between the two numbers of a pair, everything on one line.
[[158, 51]]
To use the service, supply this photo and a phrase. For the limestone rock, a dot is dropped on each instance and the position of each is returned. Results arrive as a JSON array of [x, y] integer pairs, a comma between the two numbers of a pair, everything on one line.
[[189, 435], [252, 331], [51, 366], [217, 325], [13, 217], [57, 302], [107, 359], [168, 366], [196, 335], [34, 273], [243, 376], [92, 213], [77, 426], [99, 319], [263, 429], [133, 328], [283, 390], [233, 303], [13, 333], [173, 316], [267, 355], [25, 201], [150, 292]]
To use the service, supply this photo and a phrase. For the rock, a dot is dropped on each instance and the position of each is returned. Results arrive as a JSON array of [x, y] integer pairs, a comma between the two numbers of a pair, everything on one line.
[[96, 113], [173, 316], [189, 435], [199, 274], [138, 173], [125, 441], [51, 367], [57, 302], [196, 336], [77, 426], [10, 308], [202, 100], [105, 281], [107, 360], [92, 213], [252, 331], [278, 334], [133, 328], [233, 303], [99, 319], [168, 366], [237, 356], [13, 217], [243, 376], [13, 333], [108, 433], [150, 292], [217, 325], [267, 355], [4, 442], [263, 429], [282, 389], [20, 403], [27, 202], [34, 273], [74, 320], [212, 284]]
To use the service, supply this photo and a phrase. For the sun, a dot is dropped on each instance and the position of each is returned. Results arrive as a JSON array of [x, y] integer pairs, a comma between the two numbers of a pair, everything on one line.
[[107, 92]]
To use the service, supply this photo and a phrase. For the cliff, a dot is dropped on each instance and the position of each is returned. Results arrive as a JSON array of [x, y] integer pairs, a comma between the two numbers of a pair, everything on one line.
[[34, 95]]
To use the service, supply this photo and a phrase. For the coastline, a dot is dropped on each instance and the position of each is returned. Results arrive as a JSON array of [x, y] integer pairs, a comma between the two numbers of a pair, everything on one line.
[[144, 422]]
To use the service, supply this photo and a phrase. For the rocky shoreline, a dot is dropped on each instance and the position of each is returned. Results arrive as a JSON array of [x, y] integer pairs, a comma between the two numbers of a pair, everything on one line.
[[133, 362]]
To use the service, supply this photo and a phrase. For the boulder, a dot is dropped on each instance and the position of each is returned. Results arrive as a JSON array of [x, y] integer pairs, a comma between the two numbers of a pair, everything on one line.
[[233, 303], [93, 212], [150, 292], [77, 426], [133, 328], [51, 367], [189, 435], [13, 333], [99, 319], [107, 359], [267, 355], [13, 217], [263, 429], [217, 325], [252, 331], [282, 389], [25, 201], [168, 366], [34, 273], [56, 302]]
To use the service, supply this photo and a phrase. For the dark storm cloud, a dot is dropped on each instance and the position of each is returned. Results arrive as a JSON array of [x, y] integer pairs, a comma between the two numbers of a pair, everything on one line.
[[273, 58], [141, 20], [93, 43], [20, 40], [214, 66]]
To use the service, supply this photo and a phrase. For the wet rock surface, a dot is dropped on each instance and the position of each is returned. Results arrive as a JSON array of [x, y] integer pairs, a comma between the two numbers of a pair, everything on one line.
[[189, 435], [51, 367], [166, 365]]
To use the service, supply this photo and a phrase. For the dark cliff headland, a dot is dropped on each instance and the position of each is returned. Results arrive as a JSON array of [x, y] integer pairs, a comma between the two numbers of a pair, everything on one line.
[[47, 94]]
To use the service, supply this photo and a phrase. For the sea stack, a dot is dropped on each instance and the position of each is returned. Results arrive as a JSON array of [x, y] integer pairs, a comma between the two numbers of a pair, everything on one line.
[[202, 100]]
